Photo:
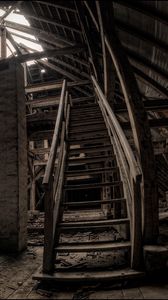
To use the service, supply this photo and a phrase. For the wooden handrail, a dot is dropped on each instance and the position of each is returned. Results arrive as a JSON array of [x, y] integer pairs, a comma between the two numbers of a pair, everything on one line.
[[53, 150], [131, 174], [127, 149], [53, 180]]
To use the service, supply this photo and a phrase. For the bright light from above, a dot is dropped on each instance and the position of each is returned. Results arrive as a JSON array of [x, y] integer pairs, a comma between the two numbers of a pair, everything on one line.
[[43, 70], [21, 38]]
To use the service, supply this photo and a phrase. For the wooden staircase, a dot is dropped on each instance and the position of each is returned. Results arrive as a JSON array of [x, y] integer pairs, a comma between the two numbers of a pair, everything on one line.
[[86, 197]]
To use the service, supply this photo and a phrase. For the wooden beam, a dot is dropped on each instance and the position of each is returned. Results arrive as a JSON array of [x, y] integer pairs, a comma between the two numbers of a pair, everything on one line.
[[140, 34], [53, 21], [6, 14], [54, 4], [151, 82], [153, 105], [39, 55], [153, 123], [146, 63], [69, 66], [13, 42], [66, 74], [89, 37], [49, 101], [2, 42], [46, 36], [39, 87], [109, 72], [145, 9]]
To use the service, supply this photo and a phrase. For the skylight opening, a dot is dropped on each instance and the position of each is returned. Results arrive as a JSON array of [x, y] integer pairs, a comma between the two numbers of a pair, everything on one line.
[[21, 38]]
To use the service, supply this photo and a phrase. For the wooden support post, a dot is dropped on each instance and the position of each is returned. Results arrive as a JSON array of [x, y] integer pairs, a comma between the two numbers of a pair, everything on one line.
[[2, 42], [88, 34], [45, 147], [33, 182]]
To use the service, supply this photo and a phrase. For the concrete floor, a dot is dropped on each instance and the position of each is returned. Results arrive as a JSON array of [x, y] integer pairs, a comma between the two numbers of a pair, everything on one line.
[[16, 283]]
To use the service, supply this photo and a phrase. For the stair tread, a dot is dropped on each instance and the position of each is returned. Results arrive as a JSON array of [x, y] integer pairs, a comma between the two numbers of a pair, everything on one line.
[[90, 148], [102, 275], [90, 246], [90, 185], [91, 202], [89, 171], [94, 222], [81, 124], [101, 157]]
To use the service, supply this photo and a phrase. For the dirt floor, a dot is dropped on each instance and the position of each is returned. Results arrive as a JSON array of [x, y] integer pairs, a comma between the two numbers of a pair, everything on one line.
[[16, 275]]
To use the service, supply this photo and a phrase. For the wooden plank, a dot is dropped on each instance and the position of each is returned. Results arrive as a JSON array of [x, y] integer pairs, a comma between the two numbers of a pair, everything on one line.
[[96, 224], [86, 123], [39, 87], [97, 185], [93, 202], [91, 246], [78, 276], [90, 160], [90, 149], [96, 140], [90, 171], [39, 55]]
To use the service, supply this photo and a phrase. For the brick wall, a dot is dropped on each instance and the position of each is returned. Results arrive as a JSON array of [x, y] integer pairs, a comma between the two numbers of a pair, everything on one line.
[[13, 159]]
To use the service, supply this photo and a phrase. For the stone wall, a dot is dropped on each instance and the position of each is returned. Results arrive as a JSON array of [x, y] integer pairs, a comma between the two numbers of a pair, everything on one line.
[[13, 159]]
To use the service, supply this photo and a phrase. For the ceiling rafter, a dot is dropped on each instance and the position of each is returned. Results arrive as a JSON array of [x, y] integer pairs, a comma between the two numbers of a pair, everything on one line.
[[146, 62], [138, 33], [65, 73], [53, 4], [54, 22], [41, 34], [153, 83], [47, 53], [145, 9], [58, 61]]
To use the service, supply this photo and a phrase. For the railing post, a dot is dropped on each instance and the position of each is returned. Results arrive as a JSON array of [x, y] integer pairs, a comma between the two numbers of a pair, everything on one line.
[[48, 257]]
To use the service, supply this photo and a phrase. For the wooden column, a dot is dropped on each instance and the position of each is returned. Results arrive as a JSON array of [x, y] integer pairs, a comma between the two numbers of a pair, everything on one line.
[[33, 182], [139, 124], [45, 147], [2, 42]]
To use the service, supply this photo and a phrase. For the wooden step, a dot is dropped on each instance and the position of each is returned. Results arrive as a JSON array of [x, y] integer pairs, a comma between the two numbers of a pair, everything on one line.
[[91, 141], [93, 202], [90, 159], [92, 246], [88, 134], [86, 129], [91, 117], [89, 107], [90, 171], [91, 149], [86, 123], [92, 224], [81, 100], [84, 106], [88, 276], [91, 185]]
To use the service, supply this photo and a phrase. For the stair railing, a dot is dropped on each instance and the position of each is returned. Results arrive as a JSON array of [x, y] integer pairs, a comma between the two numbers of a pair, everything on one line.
[[53, 179], [130, 172]]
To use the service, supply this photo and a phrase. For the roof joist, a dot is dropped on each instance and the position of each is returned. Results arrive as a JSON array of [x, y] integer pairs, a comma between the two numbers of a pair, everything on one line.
[[53, 22], [39, 55], [145, 9], [147, 63], [138, 33]]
